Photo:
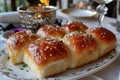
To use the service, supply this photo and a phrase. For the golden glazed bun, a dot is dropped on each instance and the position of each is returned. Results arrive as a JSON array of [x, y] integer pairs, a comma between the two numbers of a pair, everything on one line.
[[74, 26], [16, 44], [83, 48], [56, 49], [106, 39], [46, 56], [51, 31]]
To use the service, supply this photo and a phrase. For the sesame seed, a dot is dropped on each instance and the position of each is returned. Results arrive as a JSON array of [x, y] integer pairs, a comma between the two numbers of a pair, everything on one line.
[[82, 46], [50, 54], [54, 47], [44, 58], [103, 36], [50, 48], [46, 48], [86, 46]]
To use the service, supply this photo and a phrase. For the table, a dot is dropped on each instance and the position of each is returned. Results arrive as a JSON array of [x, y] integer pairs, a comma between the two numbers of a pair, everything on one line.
[[111, 72]]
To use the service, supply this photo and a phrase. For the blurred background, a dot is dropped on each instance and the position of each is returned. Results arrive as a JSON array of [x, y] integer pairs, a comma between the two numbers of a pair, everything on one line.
[[12, 5]]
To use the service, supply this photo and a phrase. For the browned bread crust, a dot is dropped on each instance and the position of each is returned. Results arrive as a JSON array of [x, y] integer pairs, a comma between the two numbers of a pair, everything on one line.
[[106, 39], [83, 48], [16, 44], [74, 26], [50, 31], [51, 52], [49, 55]]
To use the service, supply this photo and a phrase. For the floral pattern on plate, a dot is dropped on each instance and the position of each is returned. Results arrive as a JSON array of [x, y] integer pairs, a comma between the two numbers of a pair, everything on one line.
[[22, 71]]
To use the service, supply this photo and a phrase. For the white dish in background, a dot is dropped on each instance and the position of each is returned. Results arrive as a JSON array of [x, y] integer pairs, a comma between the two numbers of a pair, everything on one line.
[[24, 73], [6, 34], [76, 12]]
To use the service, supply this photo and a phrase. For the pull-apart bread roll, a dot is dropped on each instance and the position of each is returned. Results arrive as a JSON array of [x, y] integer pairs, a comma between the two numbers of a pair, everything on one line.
[[54, 49], [50, 31], [83, 48], [46, 56], [74, 26], [16, 44], [105, 39]]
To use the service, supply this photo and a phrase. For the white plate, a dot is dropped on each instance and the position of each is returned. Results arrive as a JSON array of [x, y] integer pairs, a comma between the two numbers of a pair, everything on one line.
[[6, 34], [24, 73], [75, 12]]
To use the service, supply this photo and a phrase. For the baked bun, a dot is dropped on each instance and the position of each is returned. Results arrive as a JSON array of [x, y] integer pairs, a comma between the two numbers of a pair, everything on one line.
[[51, 31], [16, 44], [46, 56], [83, 48], [105, 39], [74, 26], [54, 49]]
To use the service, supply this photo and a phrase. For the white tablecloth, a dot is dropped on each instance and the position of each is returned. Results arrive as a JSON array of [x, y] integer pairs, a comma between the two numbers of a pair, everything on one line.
[[111, 72]]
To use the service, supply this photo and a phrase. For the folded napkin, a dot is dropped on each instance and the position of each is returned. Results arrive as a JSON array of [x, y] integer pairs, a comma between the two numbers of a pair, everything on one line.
[[9, 17]]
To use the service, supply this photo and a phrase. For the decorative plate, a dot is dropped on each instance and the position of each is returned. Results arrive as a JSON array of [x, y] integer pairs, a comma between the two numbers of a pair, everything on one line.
[[22, 72], [76, 12]]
